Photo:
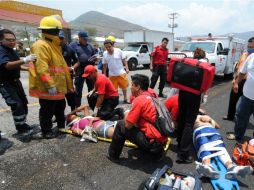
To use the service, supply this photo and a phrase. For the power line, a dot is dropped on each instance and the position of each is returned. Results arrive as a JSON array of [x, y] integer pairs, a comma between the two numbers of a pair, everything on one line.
[[173, 16]]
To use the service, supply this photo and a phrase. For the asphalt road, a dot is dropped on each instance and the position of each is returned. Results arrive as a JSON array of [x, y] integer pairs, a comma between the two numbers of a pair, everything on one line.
[[66, 163]]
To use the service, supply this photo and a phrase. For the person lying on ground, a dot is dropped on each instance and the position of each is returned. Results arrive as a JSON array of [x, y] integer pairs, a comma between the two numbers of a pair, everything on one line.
[[89, 124], [209, 144], [171, 104], [119, 112]]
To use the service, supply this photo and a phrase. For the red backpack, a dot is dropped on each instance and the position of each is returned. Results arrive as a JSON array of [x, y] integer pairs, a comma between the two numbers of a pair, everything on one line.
[[190, 75]]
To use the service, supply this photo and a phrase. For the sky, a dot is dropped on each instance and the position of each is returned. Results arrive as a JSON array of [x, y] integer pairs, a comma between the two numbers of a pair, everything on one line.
[[194, 17]]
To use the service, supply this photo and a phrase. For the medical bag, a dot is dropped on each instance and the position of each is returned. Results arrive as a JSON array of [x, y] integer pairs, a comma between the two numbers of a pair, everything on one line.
[[243, 154], [190, 75], [169, 179]]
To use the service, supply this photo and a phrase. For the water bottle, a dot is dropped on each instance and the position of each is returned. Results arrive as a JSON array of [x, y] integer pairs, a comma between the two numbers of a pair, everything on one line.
[[169, 181], [177, 183]]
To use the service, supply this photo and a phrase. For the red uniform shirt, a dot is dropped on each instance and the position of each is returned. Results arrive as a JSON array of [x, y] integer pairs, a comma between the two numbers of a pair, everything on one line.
[[143, 114], [104, 86], [172, 105], [159, 55]]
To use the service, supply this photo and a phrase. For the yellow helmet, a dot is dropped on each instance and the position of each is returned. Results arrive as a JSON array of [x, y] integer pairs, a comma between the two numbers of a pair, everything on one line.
[[50, 22], [111, 38]]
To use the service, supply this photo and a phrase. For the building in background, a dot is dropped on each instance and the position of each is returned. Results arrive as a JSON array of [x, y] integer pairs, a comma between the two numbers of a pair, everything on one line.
[[23, 19]]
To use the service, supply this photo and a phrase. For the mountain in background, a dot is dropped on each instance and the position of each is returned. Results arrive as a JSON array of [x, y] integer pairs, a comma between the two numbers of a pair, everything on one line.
[[103, 24]]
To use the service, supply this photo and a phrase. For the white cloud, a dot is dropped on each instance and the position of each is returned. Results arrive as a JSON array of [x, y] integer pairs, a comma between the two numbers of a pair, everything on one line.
[[194, 18], [200, 19], [150, 15]]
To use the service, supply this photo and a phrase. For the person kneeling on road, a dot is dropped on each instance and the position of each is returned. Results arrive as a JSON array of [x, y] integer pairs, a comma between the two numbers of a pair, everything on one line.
[[138, 125], [103, 98]]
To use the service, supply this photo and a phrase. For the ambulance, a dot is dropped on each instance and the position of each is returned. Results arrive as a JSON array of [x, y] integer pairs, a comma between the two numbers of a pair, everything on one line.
[[222, 52]]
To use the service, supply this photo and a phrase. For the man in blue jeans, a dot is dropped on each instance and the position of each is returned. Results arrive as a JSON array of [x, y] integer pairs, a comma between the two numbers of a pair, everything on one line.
[[246, 106]]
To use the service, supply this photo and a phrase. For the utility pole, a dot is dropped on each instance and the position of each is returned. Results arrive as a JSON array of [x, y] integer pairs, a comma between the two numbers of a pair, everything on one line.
[[173, 16]]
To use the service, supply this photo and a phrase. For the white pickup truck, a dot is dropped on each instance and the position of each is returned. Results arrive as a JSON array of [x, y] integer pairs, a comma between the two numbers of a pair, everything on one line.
[[136, 54], [223, 52], [140, 43]]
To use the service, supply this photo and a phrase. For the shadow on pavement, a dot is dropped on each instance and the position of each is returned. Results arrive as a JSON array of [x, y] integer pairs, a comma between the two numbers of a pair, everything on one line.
[[27, 137], [141, 68], [137, 158], [218, 80], [4, 145]]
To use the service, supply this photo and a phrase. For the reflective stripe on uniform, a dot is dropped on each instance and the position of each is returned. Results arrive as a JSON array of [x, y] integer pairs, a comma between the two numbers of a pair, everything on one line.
[[19, 122], [46, 95], [46, 78], [56, 69], [31, 65], [19, 117]]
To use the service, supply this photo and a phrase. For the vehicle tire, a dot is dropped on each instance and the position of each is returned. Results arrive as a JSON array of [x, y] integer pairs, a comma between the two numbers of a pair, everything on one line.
[[146, 66], [228, 76], [132, 64]]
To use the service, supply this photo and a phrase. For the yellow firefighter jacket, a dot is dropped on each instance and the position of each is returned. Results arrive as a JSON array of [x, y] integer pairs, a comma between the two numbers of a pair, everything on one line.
[[49, 70]]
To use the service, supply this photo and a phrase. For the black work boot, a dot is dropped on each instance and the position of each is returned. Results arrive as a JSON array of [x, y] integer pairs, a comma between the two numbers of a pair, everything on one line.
[[49, 134], [25, 128]]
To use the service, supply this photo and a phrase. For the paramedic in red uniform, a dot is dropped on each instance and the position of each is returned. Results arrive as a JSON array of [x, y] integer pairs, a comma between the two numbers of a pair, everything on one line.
[[172, 105], [104, 104], [158, 65], [138, 124]]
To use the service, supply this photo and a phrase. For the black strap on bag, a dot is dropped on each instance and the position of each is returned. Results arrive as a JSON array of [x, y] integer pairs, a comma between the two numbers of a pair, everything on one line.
[[164, 120]]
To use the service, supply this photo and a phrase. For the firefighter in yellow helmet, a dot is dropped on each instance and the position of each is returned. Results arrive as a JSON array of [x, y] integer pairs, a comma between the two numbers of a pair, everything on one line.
[[49, 77]]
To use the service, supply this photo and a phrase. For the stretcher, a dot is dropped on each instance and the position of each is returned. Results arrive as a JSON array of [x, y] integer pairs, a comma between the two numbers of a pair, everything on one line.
[[127, 143], [209, 145], [222, 183]]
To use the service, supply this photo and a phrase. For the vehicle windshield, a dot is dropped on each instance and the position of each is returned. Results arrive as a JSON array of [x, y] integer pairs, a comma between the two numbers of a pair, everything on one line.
[[206, 46], [131, 48]]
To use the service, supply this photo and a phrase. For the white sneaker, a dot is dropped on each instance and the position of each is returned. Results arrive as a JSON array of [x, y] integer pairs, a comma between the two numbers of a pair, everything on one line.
[[207, 171], [238, 171], [89, 134]]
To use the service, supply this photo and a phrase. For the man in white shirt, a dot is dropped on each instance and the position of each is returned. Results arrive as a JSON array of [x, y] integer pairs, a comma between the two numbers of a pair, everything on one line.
[[113, 59], [246, 106]]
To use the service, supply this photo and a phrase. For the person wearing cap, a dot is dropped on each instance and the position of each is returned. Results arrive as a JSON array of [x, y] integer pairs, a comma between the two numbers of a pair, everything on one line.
[[49, 78], [71, 60], [85, 52], [11, 87], [113, 40], [114, 59], [106, 99]]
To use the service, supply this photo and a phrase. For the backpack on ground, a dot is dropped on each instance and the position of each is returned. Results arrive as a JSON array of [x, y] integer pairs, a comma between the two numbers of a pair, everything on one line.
[[164, 120], [168, 179], [190, 75], [243, 154]]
